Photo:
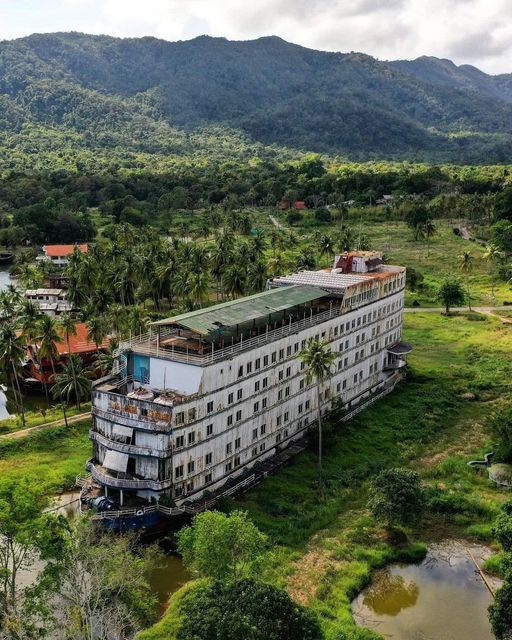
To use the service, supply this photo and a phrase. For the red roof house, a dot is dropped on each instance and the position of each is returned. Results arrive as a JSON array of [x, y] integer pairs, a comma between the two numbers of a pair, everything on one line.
[[78, 344]]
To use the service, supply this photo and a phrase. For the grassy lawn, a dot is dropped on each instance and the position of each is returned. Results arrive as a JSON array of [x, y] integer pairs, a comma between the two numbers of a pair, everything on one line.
[[434, 423], [35, 417], [49, 459]]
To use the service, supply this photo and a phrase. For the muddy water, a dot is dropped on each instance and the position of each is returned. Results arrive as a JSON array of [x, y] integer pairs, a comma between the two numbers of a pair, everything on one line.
[[167, 578], [442, 598]]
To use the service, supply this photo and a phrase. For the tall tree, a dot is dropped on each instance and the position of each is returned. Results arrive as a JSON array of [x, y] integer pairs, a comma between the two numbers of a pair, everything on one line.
[[318, 359]]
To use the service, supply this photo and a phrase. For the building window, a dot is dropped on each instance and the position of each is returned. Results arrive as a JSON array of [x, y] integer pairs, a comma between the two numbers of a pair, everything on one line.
[[287, 392], [264, 403], [306, 406], [239, 415], [192, 437], [280, 394], [278, 420], [301, 408], [208, 478], [240, 371], [295, 347], [208, 458], [280, 375], [289, 351], [257, 363], [239, 394], [249, 367], [230, 398], [286, 417], [254, 451], [180, 441], [229, 448], [256, 386], [263, 429], [301, 383], [281, 354], [278, 437], [191, 414], [288, 372], [180, 418], [274, 356], [209, 407], [256, 407], [265, 361], [265, 382], [255, 434], [262, 446], [237, 461], [209, 429], [230, 419], [190, 467], [228, 467], [178, 471], [237, 443]]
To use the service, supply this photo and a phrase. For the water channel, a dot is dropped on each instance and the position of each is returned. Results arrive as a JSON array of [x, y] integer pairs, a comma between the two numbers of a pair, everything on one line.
[[442, 598]]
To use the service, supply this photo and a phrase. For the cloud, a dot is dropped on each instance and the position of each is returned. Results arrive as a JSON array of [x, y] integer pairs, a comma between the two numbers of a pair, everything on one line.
[[478, 32]]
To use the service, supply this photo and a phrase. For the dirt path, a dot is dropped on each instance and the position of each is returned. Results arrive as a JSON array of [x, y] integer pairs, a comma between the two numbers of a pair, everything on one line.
[[21, 433]]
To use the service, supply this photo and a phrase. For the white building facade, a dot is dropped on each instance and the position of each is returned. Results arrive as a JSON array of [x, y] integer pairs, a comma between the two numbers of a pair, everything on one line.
[[207, 396]]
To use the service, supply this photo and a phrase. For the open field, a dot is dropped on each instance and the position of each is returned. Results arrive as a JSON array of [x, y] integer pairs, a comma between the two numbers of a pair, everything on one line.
[[326, 550], [49, 459]]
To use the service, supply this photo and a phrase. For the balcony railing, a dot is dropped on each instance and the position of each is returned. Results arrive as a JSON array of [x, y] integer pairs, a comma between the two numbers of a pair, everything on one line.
[[147, 343], [131, 449], [101, 475]]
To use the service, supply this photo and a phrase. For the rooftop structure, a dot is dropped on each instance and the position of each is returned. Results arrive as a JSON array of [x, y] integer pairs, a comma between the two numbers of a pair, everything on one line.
[[207, 397]]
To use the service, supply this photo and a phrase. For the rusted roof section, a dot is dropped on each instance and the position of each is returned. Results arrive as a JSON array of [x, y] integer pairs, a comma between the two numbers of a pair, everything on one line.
[[236, 312]]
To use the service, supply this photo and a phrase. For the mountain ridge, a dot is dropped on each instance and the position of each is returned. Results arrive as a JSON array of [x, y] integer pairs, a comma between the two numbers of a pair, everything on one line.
[[140, 92]]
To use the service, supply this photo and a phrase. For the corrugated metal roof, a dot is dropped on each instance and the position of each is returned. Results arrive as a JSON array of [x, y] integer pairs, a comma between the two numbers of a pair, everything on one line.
[[259, 305]]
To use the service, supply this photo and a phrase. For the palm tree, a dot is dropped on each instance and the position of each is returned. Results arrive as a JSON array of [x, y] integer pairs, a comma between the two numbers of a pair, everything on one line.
[[429, 229], [325, 245], [47, 340], [68, 325], [318, 359], [234, 280], [96, 331], [73, 380], [493, 255], [11, 359], [466, 266], [29, 322]]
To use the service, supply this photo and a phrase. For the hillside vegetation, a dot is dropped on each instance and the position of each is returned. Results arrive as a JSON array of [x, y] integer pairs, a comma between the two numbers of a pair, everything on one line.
[[149, 95]]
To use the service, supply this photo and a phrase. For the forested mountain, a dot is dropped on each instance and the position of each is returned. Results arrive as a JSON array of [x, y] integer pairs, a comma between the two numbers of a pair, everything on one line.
[[71, 90]]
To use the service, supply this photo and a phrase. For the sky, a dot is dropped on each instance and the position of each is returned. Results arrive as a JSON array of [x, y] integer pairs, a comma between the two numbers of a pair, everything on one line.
[[477, 32]]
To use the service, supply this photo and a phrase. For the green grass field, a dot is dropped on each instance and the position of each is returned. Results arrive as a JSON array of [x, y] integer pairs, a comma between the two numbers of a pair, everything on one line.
[[50, 459], [326, 550]]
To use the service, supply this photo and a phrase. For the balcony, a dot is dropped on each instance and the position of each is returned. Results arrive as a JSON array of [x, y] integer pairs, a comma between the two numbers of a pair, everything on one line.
[[394, 365], [130, 449], [104, 477], [111, 405]]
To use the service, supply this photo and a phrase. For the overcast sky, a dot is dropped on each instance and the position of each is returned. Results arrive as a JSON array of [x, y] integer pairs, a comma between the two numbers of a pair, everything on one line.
[[477, 32]]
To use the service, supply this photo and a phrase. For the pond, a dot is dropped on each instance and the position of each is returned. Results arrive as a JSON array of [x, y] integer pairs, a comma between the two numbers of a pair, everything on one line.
[[5, 279], [442, 598]]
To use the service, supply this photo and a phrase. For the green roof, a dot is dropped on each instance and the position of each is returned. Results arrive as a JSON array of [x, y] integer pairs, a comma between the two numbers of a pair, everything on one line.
[[236, 312]]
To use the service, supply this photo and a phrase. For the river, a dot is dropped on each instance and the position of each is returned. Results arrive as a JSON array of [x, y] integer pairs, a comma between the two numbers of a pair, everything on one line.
[[441, 598]]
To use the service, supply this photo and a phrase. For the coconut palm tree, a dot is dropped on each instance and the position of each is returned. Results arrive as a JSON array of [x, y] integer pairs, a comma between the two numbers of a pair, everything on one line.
[[466, 266], [429, 229], [68, 325], [73, 380], [11, 358], [494, 256], [47, 341], [318, 359], [96, 330]]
